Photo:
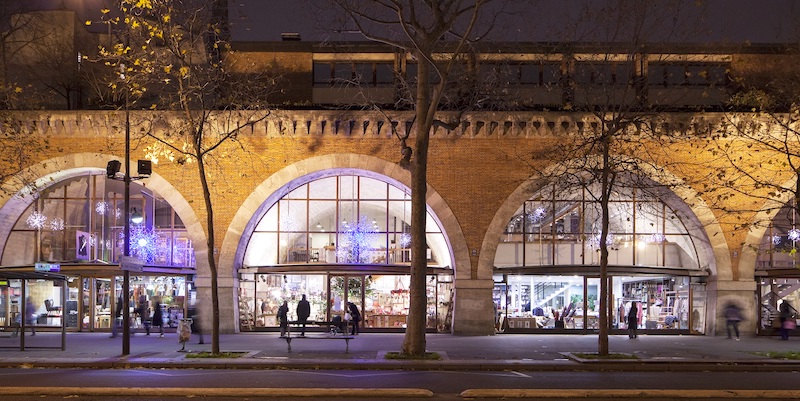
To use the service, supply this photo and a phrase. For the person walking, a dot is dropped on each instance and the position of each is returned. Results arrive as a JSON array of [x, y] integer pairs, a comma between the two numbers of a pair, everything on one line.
[[117, 318], [303, 312], [157, 318], [633, 320], [283, 318], [787, 318], [30, 317], [355, 317], [733, 315]]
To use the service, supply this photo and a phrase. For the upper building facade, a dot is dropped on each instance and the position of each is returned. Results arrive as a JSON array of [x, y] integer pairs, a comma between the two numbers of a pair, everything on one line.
[[312, 199]]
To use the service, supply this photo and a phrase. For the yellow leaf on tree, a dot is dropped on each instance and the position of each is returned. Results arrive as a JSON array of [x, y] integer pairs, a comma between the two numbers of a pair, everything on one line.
[[18, 89]]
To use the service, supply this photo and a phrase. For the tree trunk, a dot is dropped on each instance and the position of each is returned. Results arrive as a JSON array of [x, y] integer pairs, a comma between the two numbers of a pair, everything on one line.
[[602, 338], [414, 341], [212, 263]]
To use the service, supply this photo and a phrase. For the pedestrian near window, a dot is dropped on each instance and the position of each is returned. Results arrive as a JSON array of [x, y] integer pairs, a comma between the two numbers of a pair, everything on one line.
[[157, 318], [787, 317], [733, 315], [303, 312], [355, 317], [633, 320], [283, 318]]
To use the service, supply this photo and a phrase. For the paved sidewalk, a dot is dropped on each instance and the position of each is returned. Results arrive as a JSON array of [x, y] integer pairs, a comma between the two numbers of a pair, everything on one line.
[[500, 352]]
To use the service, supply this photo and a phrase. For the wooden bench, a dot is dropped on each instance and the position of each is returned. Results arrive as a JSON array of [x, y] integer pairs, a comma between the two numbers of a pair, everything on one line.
[[329, 334]]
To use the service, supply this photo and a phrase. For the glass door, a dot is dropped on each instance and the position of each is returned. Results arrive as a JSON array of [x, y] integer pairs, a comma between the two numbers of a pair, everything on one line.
[[343, 290]]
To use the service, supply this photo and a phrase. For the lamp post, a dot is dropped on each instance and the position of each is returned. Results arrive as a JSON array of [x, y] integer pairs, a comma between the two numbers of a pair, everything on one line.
[[126, 275]]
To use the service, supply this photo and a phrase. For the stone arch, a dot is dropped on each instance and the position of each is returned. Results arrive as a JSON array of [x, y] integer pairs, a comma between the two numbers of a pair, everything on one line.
[[232, 250], [716, 247], [752, 243], [13, 201]]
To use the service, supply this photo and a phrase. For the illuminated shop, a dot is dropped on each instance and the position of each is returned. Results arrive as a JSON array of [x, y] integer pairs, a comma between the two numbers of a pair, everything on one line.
[[547, 264], [338, 239], [77, 223], [777, 274]]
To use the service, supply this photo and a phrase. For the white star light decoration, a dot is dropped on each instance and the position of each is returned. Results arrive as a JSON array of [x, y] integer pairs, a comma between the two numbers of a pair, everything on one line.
[[101, 208], [357, 242], [57, 224], [793, 234], [36, 220]]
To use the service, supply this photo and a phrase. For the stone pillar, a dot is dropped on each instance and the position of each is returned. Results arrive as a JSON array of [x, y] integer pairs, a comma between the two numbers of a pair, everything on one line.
[[473, 313], [742, 293], [229, 314]]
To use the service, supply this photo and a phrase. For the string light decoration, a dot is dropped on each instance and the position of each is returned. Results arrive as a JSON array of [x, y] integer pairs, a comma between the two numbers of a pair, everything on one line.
[[358, 241], [657, 238], [537, 215], [36, 220], [101, 208], [57, 224], [405, 240]]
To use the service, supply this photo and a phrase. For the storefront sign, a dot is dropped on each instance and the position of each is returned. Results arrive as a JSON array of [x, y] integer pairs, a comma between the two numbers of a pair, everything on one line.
[[47, 267]]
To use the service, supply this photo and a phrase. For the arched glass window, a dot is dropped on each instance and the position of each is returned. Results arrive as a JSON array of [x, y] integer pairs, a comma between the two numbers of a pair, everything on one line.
[[563, 228], [80, 219], [342, 219]]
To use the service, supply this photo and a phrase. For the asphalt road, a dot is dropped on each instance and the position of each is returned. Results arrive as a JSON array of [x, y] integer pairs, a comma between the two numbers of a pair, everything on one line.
[[445, 385]]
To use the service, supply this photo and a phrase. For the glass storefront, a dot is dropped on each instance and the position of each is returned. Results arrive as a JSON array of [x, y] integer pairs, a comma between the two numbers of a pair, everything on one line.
[[652, 258], [383, 299], [531, 302], [97, 299], [777, 269], [340, 238]]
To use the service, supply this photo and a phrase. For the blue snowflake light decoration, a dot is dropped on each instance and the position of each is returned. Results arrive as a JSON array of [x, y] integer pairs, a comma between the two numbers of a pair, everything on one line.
[[537, 215], [358, 241], [776, 240], [36, 220], [143, 242], [405, 240]]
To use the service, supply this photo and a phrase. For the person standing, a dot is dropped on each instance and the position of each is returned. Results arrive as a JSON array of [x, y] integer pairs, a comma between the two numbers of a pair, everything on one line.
[[787, 318], [355, 317], [157, 318], [303, 312], [283, 318], [733, 315], [633, 320]]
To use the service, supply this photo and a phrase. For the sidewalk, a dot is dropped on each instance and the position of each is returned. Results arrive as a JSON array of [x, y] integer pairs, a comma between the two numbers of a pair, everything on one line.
[[500, 352]]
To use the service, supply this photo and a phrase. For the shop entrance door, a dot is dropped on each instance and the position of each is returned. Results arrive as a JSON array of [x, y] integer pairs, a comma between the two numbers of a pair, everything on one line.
[[343, 289]]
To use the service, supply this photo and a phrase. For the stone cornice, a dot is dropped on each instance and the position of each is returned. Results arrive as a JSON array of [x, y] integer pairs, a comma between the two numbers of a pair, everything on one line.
[[304, 123]]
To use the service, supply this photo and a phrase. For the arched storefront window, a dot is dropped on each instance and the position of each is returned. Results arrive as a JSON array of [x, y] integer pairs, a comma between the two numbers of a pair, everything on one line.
[[76, 223], [339, 239], [546, 265], [80, 219], [777, 268]]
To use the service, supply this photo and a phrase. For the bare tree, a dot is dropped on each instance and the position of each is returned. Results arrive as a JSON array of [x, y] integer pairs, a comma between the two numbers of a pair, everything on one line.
[[437, 35], [619, 142], [171, 56]]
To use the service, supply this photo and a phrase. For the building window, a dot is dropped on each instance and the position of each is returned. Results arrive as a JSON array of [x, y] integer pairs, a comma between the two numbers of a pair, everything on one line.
[[690, 74]]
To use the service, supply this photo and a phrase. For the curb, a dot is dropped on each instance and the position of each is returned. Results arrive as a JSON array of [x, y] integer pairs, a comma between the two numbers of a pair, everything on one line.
[[220, 392], [630, 394], [451, 365]]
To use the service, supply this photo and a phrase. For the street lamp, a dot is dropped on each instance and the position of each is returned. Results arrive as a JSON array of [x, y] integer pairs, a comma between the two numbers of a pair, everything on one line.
[[144, 169]]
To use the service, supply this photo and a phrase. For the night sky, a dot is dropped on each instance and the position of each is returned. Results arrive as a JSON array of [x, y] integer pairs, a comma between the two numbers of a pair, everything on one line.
[[728, 21]]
